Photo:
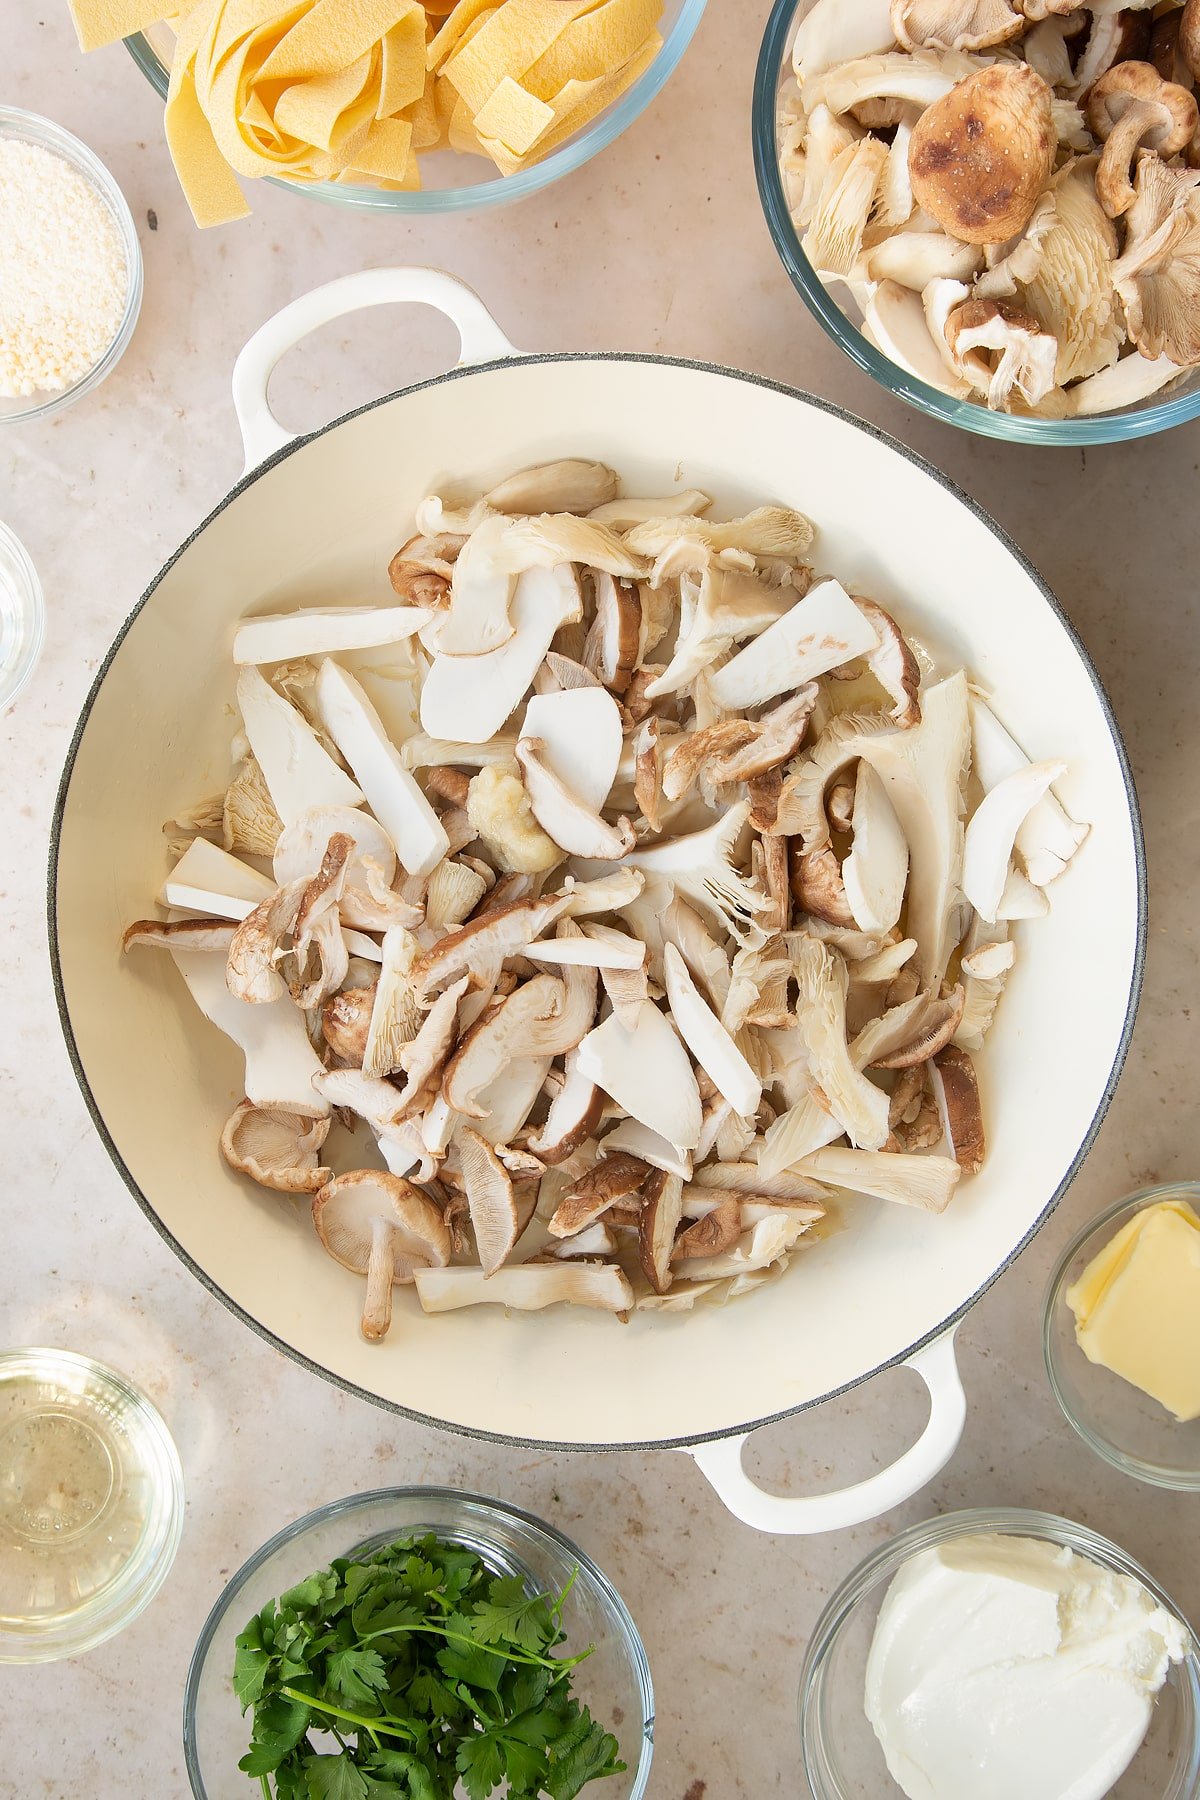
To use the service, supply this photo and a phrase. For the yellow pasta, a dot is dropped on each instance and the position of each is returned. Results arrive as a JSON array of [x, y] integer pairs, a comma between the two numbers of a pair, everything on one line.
[[356, 91]]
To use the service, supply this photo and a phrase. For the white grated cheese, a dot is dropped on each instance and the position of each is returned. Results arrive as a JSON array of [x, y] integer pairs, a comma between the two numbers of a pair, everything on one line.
[[63, 272]]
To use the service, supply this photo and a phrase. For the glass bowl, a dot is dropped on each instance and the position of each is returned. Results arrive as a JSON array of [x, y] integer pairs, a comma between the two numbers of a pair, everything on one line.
[[774, 70], [91, 1504], [22, 616], [614, 1682], [29, 128], [1120, 1423], [457, 183], [842, 1757]]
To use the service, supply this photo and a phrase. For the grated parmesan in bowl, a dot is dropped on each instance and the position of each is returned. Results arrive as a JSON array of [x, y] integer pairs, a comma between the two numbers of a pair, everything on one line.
[[70, 268]]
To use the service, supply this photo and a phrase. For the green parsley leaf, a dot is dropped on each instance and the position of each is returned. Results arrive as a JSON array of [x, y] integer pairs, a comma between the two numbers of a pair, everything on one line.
[[511, 1616], [358, 1674], [480, 1762], [333, 1778], [592, 1755]]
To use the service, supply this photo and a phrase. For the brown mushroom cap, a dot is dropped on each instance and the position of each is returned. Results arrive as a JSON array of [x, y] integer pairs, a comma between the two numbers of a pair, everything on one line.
[[613, 1178], [714, 1234], [346, 1022], [964, 1113], [1189, 37], [659, 1222], [980, 156], [1132, 107], [893, 664]]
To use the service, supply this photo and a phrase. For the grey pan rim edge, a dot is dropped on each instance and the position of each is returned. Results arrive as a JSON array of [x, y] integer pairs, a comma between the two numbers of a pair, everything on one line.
[[476, 1432]]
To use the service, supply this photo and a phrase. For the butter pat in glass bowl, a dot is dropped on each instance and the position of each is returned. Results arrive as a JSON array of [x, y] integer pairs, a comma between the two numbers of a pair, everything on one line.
[[843, 1759], [1128, 1428]]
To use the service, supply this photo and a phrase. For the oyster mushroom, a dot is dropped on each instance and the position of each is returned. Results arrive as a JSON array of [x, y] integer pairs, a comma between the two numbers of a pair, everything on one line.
[[982, 154], [1158, 277], [926, 1182], [392, 793], [563, 815], [611, 649], [931, 1023], [894, 320], [396, 1013], [423, 1057], [731, 605], [956, 24], [837, 31], [249, 821], [922, 77], [298, 771], [1129, 108], [526, 1288], [647, 1072], [580, 733], [915, 258], [822, 630], [964, 1112], [712, 1234], [571, 485], [1048, 837], [661, 1212], [495, 1219], [277, 1149], [816, 876], [280, 1061], [833, 238], [707, 1039], [1126, 383], [875, 873], [893, 664], [468, 698], [1071, 289], [764, 1245], [860, 1107], [382, 1227], [1002, 350], [421, 571], [454, 891], [992, 833], [700, 867]]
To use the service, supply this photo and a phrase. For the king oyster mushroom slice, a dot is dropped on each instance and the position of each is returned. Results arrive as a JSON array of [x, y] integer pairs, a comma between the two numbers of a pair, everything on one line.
[[859, 1106], [580, 733], [924, 771], [894, 321], [1125, 383], [992, 833], [468, 698], [981, 155], [915, 258], [396, 1014], [596, 1241], [1048, 837], [317, 631], [837, 31], [766, 1243], [277, 1149], [526, 1288], [298, 771], [649, 1146], [822, 630], [393, 795], [730, 606], [495, 1218], [707, 1039], [615, 1177], [208, 880], [569, 486], [875, 874], [543, 1018], [280, 1061], [926, 1182], [647, 1072], [954, 1075], [565, 817], [178, 934], [1157, 277], [382, 1227]]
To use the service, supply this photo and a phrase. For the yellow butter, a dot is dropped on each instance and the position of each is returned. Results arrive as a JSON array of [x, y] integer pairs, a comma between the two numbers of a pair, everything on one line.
[[514, 116], [1137, 1306]]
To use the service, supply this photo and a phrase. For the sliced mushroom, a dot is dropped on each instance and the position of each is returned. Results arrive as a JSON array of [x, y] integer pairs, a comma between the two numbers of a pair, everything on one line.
[[648, 749], [700, 866], [939, 1022], [393, 795], [467, 699], [956, 24], [423, 1057], [649, 1147], [382, 1227], [662, 1211], [319, 946], [509, 1029], [980, 156], [616, 1176], [318, 631], [571, 485], [1071, 291], [421, 571], [208, 880], [707, 1039], [694, 750], [396, 1013], [1158, 277], [1129, 108], [647, 1072], [574, 1116], [527, 1288], [499, 809], [494, 1216], [765, 1244], [277, 1149], [860, 1107], [298, 771], [712, 1234], [834, 32], [501, 932], [179, 934], [1002, 350], [817, 879], [281, 1063], [580, 733], [346, 1022], [893, 664], [564, 816], [922, 77], [821, 630], [992, 832], [614, 640], [875, 874], [964, 1112], [926, 1182], [249, 821], [596, 1240], [1048, 838], [834, 236], [894, 319]]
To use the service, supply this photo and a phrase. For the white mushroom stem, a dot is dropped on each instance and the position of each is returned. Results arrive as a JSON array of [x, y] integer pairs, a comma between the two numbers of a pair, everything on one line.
[[1047, 837], [206, 879], [392, 793], [319, 630], [639, 1140], [580, 733], [707, 1039], [647, 1072], [468, 698], [298, 771], [992, 833], [821, 631], [564, 816], [875, 873], [381, 1268], [280, 1060]]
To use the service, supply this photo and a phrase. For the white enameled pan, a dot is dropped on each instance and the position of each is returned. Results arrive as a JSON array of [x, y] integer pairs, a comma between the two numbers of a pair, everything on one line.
[[318, 517]]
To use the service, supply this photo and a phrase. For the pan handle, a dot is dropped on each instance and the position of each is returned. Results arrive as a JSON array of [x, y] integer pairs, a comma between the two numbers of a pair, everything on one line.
[[480, 338], [721, 1463]]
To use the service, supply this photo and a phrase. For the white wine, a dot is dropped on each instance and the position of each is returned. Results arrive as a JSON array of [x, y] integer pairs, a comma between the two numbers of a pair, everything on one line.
[[90, 1502]]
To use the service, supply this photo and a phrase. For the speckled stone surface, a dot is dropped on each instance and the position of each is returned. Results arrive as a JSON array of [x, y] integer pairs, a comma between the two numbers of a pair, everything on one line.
[[657, 245]]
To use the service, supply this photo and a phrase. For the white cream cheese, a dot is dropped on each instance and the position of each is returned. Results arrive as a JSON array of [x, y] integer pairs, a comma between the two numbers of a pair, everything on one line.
[[1005, 1666]]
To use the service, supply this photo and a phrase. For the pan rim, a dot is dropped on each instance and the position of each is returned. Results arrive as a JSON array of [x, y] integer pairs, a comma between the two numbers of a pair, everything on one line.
[[951, 487]]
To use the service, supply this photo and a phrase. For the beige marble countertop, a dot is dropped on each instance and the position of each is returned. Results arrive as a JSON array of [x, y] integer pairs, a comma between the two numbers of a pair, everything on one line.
[[657, 245]]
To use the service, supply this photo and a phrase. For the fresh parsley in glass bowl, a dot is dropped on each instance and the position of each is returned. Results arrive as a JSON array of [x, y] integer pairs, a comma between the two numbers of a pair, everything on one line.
[[419, 1644]]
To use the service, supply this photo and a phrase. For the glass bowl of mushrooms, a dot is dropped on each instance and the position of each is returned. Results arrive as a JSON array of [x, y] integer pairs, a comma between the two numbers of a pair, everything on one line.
[[993, 206]]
